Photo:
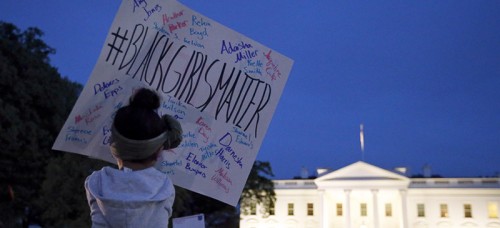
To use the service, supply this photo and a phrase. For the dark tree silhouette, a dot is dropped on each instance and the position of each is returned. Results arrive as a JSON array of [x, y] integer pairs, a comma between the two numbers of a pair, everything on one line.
[[34, 102]]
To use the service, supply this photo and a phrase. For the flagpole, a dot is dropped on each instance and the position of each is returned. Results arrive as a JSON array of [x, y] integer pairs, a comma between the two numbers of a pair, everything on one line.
[[362, 141]]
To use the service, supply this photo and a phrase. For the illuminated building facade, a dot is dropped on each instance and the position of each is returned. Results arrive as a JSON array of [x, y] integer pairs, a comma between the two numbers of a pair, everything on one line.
[[361, 195]]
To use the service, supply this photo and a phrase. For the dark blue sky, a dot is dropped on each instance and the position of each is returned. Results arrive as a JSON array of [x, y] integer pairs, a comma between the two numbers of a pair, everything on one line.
[[422, 76]]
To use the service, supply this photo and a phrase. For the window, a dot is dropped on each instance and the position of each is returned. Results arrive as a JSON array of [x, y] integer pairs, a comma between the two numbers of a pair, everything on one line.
[[253, 208], [467, 210], [388, 210], [271, 208], [363, 209], [310, 209], [339, 209], [443, 208], [420, 210], [492, 210], [290, 209]]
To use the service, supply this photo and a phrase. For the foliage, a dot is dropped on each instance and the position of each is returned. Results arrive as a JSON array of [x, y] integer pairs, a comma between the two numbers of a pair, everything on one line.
[[259, 188], [217, 214], [34, 102], [63, 195]]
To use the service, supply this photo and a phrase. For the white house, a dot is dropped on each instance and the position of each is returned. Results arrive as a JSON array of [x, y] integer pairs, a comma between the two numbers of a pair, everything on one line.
[[361, 195]]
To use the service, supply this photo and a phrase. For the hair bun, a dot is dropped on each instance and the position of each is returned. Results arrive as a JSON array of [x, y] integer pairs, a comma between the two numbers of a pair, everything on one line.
[[145, 98], [174, 132]]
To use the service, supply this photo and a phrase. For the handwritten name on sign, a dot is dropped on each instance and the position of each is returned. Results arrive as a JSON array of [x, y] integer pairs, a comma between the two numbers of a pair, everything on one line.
[[222, 86]]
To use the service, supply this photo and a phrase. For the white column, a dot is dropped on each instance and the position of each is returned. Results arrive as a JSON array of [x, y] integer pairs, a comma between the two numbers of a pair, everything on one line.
[[375, 208], [347, 208], [404, 208], [324, 218]]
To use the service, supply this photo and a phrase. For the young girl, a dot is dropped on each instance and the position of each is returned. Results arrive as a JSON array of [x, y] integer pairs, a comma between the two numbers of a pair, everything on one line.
[[136, 194]]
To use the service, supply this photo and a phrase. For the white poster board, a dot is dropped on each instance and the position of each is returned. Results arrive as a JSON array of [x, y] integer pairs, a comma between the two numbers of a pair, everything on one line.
[[222, 86], [193, 221]]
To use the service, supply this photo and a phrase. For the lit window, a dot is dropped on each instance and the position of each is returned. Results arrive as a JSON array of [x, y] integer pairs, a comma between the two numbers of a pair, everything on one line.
[[443, 208], [310, 209], [290, 209], [253, 208], [388, 210], [467, 210], [271, 208], [492, 210], [420, 210], [363, 209], [339, 209]]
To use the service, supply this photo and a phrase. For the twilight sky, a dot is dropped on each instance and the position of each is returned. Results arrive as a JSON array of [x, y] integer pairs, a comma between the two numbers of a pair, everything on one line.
[[422, 76]]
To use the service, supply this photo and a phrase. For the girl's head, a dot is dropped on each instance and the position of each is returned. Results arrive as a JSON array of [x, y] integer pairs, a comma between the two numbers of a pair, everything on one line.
[[139, 133], [139, 120]]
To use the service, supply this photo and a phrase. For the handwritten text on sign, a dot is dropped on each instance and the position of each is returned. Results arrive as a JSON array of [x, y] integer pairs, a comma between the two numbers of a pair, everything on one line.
[[221, 86]]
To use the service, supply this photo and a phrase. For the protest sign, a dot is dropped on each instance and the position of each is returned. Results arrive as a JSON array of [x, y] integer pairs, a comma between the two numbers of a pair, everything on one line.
[[222, 86], [193, 221]]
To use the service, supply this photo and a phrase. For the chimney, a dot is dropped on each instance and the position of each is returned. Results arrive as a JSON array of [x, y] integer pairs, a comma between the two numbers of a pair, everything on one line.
[[427, 171], [304, 174]]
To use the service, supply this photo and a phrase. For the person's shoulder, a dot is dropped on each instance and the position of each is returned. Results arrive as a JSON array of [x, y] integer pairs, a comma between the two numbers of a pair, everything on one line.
[[100, 177], [153, 171], [104, 171]]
